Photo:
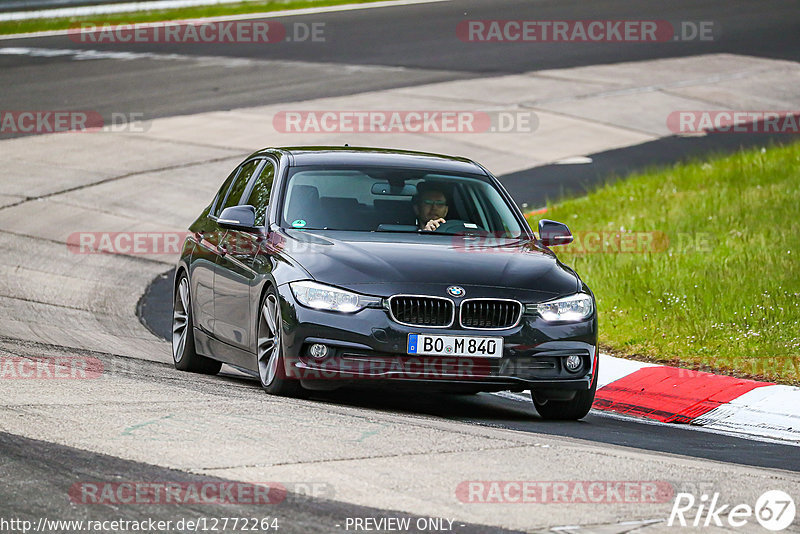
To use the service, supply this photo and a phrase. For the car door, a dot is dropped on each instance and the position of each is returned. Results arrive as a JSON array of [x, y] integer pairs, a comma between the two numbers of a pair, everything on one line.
[[234, 273], [204, 258]]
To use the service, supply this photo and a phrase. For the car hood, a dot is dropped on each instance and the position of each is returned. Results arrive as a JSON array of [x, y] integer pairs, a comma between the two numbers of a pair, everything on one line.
[[391, 263]]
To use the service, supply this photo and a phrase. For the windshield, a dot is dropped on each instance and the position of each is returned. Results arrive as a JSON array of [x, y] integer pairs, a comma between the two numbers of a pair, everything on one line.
[[373, 199]]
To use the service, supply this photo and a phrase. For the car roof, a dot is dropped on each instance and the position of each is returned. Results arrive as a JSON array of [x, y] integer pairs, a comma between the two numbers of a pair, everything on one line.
[[367, 156]]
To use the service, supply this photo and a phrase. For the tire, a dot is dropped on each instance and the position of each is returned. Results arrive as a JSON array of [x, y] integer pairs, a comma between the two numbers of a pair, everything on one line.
[[570, 410], [269, 349], [183, 350]]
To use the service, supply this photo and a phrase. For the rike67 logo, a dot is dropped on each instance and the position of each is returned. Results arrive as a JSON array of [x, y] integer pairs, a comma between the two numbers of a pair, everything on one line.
[[774, 510]]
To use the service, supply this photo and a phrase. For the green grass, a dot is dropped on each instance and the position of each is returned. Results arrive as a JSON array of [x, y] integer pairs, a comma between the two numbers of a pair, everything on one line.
[[724, 294], [35, 25]]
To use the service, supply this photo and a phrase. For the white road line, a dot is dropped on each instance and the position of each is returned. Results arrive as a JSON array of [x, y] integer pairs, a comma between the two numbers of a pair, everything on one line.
[[626, 527], [577, 160], [83, 55]]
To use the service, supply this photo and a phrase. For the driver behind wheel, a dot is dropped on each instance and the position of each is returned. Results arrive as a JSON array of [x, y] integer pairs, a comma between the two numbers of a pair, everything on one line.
[[430, 206]]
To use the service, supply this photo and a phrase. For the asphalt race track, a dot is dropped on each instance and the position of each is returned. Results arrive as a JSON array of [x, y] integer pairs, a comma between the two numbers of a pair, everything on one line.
[[418, 41], [514, 413], [369, 454]]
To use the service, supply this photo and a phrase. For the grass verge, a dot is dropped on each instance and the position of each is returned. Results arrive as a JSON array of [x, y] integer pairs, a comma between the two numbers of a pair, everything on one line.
[[37, 25], [696, 265]]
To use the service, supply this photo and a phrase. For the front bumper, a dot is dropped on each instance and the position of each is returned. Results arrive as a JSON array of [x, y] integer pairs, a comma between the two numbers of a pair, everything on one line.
[[370, 346]]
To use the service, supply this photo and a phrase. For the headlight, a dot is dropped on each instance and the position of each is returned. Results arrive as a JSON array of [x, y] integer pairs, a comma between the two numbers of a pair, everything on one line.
[[323, 297], [576, 307]]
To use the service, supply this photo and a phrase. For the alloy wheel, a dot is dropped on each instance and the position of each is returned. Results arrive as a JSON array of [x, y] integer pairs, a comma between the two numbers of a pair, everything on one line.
[[180, 319], [269, 340]]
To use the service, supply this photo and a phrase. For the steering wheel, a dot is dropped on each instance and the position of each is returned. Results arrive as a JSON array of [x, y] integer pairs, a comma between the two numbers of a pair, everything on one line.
[[451, 227], [457, 226]]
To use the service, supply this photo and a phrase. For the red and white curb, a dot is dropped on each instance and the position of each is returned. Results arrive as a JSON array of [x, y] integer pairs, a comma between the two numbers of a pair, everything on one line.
[[714, 402]]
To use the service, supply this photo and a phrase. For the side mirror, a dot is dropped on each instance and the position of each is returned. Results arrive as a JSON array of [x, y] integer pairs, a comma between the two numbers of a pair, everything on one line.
[[238, 218], [554, 233]]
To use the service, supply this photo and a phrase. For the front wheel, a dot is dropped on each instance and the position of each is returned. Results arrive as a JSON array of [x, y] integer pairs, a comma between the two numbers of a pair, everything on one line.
[[183, 351], [571, 410], [269, 352]]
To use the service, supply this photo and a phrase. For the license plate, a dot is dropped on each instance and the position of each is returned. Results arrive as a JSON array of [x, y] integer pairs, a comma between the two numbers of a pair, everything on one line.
[[483, 347]]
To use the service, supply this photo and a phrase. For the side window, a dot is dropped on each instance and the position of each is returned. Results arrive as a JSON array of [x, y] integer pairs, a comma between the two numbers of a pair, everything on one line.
[[259, 196], [220, 198], [239, 185]]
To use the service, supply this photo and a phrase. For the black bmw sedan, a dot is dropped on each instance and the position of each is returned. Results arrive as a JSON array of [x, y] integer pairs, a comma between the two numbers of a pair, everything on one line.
[[315, 268]]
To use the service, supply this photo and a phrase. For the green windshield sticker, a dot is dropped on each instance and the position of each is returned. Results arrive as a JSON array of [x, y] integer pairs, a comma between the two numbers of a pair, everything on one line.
[[299, 223]]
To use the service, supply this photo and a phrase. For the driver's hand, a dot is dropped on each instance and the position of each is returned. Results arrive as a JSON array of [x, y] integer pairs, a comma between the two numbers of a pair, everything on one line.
[[433, 224]]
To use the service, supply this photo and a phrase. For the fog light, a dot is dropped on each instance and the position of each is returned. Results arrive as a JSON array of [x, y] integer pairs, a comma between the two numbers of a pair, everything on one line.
[[318, 351], [573, 363]]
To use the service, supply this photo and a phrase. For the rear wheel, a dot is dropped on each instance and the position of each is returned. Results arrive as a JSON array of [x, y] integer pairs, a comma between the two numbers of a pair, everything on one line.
[[269, 352], [183, 351]]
